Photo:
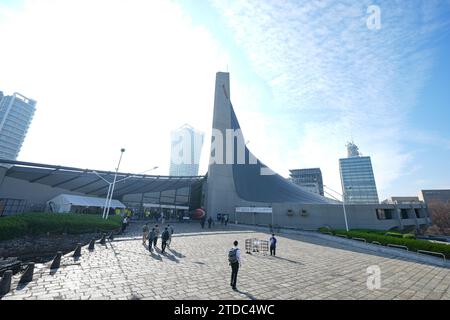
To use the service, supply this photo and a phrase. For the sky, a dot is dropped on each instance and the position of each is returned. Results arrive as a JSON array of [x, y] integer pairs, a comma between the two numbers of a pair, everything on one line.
[[306, 77]]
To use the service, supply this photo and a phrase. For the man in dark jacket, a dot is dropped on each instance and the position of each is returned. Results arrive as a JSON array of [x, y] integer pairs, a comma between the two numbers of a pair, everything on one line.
[[164, 238], [151, 237], [273, 244]]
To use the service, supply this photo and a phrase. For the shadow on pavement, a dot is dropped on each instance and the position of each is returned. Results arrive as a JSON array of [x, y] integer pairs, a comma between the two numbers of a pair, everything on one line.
[[156, 256], [288, 260], [248, 295], [177, 254], [171, 257]]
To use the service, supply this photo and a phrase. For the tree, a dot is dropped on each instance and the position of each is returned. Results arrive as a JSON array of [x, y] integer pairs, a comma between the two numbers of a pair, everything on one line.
[[440, 217]]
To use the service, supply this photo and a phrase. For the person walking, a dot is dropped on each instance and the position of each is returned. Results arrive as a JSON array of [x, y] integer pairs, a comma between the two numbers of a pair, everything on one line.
[[151, 237], [145, 230], [155, 239], [202, 222], [124, 224], [164, 238], [210, 221], [170, 235], [234, 259], [226, 220], [273, 244]]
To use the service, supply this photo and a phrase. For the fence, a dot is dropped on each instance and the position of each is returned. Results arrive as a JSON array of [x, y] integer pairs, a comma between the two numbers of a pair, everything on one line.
[[256, 245]]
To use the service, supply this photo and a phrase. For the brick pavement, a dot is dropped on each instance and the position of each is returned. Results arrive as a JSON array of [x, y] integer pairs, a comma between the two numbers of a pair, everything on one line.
[[195, 267]]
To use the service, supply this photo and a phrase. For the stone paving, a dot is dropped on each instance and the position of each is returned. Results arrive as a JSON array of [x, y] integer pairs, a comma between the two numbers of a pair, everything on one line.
[[196, 267]]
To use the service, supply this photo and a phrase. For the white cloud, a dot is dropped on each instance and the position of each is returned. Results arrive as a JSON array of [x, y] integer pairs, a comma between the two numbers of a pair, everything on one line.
[[336, 79]]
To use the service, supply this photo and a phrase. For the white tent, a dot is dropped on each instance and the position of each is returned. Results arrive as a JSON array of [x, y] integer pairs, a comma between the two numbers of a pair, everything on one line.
[[64, 202]]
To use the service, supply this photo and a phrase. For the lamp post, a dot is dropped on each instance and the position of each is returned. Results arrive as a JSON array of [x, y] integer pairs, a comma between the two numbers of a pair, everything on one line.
[[114, 183], [343, 205], [345, 213], [110, 186]]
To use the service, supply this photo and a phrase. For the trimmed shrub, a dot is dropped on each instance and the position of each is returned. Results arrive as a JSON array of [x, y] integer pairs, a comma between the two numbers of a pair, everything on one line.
[[56, 223], [394, 234], [412, 244]]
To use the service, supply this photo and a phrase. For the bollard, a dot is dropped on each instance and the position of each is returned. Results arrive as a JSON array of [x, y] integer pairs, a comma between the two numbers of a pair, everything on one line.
[[5, 282], [27, 276], [77, 252], [103, 240], [111, 236], [92, 244], [56, 261]]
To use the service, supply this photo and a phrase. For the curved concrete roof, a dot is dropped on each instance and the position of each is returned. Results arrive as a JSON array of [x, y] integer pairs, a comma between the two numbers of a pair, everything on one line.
[[253, 185], [86, 181]]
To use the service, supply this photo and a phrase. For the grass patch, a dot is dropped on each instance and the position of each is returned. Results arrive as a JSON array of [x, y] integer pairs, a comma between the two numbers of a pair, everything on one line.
[[35, 224], [385, 239]]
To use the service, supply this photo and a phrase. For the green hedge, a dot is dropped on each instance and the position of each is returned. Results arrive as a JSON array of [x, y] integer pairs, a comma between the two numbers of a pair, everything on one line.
[[411, 244], [56, 223]]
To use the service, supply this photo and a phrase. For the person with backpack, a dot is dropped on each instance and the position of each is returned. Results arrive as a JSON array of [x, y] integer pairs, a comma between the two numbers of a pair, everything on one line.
[[145, 231], [164, 238], [151, 238], [234, 259], [273, 244]]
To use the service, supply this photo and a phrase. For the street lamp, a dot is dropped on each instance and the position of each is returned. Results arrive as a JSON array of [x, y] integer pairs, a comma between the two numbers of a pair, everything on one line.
[[343, 204], [111, 185], [114, 184]]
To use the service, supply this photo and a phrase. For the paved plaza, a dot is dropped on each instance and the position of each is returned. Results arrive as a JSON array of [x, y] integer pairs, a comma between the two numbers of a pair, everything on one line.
[[196, 267]]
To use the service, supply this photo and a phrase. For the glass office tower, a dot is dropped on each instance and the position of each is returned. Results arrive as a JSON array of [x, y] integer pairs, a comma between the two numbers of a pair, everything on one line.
[[310, 179], [16, 113], [186, 149], [357, 178]]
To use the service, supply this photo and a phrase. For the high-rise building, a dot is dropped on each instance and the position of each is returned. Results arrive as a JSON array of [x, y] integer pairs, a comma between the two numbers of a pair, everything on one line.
[[16, 113], [309, 179], [186, 149], [401, 200], [357, 178], [435, 196]]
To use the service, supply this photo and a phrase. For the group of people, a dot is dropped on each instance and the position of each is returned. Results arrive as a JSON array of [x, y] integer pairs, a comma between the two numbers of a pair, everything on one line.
[[153, 235], [223, 220], [234, 254], [234, 258]]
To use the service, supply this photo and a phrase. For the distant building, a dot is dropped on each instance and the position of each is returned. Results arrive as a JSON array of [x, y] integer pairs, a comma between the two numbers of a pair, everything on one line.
[[357, 178], [430, 196], [186, 149], [310, 179], [16, 113], [401, 200]]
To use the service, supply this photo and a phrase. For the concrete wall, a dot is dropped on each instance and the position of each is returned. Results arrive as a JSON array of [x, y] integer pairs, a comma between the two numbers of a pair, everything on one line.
[[312, 217]]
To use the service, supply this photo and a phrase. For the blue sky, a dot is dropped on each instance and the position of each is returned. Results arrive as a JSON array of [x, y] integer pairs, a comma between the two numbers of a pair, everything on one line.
[[405, 76], [306, 76]]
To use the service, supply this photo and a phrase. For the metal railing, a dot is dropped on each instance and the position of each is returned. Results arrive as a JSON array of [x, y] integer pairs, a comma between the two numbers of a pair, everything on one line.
[[398, 246], [431, 253]]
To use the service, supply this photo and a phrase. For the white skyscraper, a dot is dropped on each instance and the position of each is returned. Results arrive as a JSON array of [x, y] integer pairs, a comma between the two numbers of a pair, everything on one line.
[[357, 178], [186, 149], [16, 113]]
